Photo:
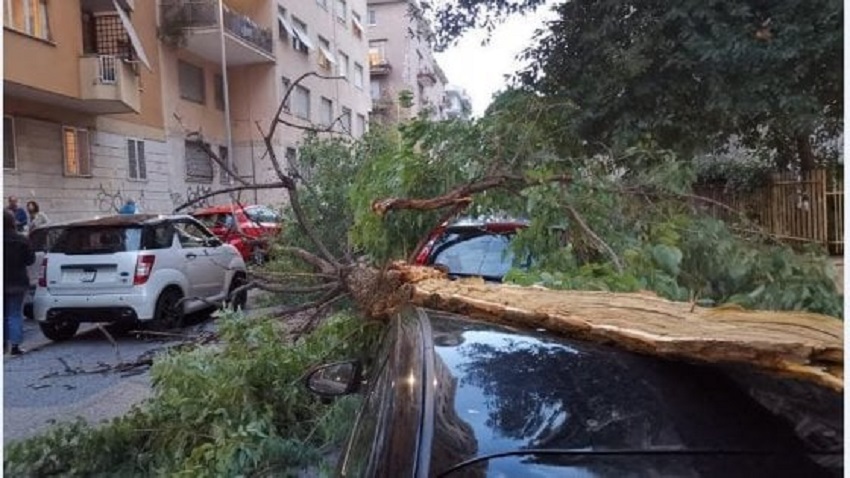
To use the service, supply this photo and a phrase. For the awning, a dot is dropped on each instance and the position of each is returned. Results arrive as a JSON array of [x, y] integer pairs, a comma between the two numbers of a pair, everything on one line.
[[284, 23], [357, 23], [302, 36], [327, 54], [134, 37]]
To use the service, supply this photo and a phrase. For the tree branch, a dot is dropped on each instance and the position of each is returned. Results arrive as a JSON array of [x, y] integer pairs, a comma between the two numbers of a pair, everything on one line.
[[598, 240], [462, 195], [249, 187]]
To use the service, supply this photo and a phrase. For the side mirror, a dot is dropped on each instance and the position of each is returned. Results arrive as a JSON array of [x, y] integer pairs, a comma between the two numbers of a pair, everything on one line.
[[213, 242], [334, 379]]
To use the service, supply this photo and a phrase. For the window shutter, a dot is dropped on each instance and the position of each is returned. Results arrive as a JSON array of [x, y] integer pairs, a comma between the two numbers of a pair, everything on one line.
[[131, 156], [85, 152], [140, 157]]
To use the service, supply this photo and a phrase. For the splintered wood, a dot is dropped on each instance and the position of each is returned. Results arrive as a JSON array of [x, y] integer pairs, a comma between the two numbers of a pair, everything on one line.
[[794, 344]]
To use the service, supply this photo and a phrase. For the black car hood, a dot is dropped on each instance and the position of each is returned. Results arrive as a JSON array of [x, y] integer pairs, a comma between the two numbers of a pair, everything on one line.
[[500, 390]]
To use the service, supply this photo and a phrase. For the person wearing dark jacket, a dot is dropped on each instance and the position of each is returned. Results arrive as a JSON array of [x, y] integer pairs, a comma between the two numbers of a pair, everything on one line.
[[17, 255]]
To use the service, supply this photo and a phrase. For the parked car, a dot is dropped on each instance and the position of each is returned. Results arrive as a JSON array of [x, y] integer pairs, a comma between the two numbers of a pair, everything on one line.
[[250, 229], [41, 239], [126, 268], [473, 247], [451, 397]]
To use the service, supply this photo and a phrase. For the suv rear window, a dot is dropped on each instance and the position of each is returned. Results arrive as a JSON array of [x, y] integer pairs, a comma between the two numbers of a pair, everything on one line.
[[43, 238], [474, 254], [261, 214], [99, 240]]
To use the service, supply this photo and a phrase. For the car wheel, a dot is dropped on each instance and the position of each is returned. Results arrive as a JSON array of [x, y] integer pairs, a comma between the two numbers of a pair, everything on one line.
[[258, 257], [238, 300], [60, 329], [168, 313]]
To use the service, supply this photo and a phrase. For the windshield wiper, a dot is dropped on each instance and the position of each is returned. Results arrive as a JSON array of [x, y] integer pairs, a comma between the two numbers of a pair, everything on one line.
[[626, 452]]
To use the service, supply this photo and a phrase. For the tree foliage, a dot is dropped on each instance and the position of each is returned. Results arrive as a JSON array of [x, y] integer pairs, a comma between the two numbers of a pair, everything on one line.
[[689, 74], [234, 410]]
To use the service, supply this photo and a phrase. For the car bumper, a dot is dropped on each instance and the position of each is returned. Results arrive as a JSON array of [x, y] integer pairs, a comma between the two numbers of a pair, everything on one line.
[[94, 308]]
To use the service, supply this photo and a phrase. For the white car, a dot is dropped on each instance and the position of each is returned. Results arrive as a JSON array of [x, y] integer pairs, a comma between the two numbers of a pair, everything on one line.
[[127, 268]]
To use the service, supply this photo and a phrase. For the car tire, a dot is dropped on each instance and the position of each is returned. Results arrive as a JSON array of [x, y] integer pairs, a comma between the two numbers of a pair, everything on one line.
[[168, 313], [258, 257], [239, 300], [60, 329]]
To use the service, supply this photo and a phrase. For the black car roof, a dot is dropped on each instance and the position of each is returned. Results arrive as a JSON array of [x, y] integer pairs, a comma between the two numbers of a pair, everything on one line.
[[511, 390]]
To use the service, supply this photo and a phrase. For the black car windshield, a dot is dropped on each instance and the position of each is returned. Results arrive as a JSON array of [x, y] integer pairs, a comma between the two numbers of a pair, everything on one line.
[[475, 253], [98, 240]]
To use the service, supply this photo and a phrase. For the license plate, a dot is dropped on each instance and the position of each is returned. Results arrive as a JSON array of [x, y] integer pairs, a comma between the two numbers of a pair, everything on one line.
[[88, 276]]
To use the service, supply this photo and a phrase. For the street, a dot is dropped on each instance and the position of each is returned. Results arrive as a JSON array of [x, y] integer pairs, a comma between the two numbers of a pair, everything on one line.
[[86, 376]]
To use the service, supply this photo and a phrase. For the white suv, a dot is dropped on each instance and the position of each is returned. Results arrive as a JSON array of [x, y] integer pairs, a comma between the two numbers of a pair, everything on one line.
[[130, 268]]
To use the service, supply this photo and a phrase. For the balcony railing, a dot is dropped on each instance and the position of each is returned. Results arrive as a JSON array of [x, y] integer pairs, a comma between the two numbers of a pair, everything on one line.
[[204, 14], [109, 84], [379, 66]]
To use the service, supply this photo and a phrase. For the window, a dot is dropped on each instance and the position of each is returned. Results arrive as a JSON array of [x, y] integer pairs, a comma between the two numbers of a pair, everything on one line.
[[356, 25], [300, 40], [291, 154], [376, 90], [286, 84], [341, 11], [373, 17], [377, 53], [323, 3], [358, 75], [301, 102], [10, 157], [28, 16], [345, 118], [326, 58], [77, 153], [283, 27], [326, 112], [137, 168], [218, 84], [361, 125], [224, 178], [191, 234], [191, 82], [198, 164], [343, 65]]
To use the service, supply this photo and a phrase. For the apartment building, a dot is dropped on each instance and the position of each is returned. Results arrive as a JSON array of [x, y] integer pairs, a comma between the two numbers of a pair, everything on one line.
[[458, 104], [106, 99], [406, 80], [82, 119]]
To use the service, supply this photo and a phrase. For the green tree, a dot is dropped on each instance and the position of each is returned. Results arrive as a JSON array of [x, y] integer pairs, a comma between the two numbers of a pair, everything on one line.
[[689, 74]]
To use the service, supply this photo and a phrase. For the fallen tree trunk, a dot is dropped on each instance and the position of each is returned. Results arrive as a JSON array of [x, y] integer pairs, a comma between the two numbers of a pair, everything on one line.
[[799, 345]]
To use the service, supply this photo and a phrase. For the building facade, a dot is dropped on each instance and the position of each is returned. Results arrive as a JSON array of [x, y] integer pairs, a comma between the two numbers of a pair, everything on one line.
[[458, 104], [406, 80], [107, 100]]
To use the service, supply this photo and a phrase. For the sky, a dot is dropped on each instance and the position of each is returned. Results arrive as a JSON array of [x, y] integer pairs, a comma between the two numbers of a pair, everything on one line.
[[480, 69]]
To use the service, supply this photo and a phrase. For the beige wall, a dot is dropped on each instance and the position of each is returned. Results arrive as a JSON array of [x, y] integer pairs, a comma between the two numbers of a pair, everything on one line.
[[50, 66], [393, 26]]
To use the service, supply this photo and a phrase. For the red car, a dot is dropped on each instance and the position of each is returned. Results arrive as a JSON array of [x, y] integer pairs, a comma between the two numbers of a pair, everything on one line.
[[249, 228], [472, 248]]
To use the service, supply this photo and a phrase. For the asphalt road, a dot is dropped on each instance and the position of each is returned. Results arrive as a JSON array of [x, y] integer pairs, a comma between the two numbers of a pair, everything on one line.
[[86, 376]]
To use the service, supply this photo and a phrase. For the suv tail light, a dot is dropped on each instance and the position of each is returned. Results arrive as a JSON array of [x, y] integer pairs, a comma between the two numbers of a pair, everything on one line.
[[42, 273], [144, 266]]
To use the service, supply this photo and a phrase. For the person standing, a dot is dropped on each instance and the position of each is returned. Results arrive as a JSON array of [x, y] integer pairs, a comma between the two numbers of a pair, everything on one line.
[[17, 255], [37, 218], [129, 207], [20, 215]]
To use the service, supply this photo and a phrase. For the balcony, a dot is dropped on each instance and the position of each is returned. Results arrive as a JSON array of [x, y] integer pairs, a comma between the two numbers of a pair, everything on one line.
[[383, 103], [109, 85], [379, 67], [194, 25], [426, 77]]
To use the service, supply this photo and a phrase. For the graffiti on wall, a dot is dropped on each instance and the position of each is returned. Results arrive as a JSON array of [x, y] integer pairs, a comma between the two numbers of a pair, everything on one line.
[[193, 193], [108, 200]]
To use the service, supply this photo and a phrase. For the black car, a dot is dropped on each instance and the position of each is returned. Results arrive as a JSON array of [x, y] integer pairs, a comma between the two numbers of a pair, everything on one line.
[[452, 397]]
